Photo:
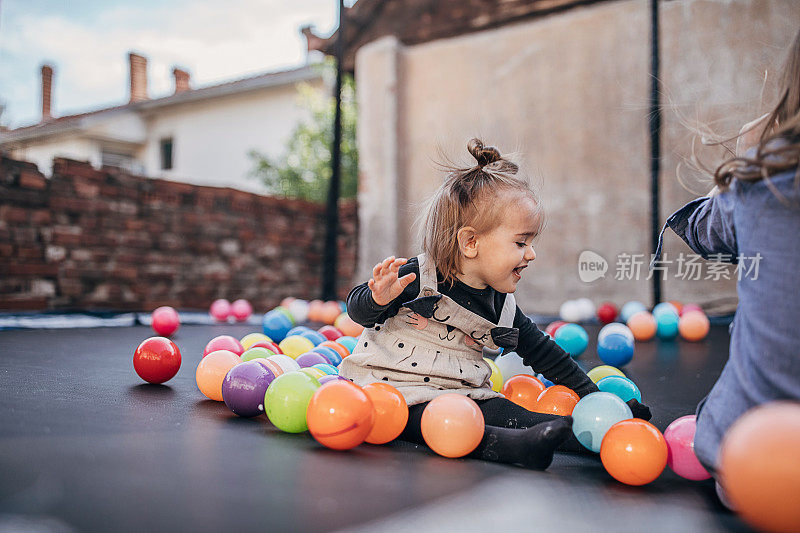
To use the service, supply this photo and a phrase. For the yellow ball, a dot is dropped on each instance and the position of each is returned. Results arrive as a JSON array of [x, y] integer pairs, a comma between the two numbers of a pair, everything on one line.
[[295, 345], [603, 371], [252, 338], [315, 373], [497, 377]]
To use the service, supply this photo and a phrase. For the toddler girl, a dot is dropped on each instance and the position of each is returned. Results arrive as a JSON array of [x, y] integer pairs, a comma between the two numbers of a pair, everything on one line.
[[429, 318]]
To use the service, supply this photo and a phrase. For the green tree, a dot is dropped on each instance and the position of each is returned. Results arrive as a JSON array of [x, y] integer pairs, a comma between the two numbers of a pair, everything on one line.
[[304, 170]]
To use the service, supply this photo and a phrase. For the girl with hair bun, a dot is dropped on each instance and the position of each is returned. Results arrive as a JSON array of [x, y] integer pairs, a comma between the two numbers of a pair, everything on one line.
[[429, 318]]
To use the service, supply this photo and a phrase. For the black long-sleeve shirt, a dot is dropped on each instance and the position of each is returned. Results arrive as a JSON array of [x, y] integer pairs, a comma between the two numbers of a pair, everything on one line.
[[537, 350]]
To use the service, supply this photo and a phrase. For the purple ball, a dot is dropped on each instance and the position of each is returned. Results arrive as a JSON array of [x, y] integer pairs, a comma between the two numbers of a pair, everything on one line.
[[244, 387], [329, 377], [309, 359]]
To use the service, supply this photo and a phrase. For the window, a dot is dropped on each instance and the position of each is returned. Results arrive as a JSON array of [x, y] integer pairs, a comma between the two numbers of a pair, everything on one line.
[[166, 154], [110, 157]]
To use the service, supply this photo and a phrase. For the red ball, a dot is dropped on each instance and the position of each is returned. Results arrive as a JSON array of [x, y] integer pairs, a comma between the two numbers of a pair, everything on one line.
[[331, 333], [165, 321], [607, 313], [552, 327], [224, 342], [157, 360], [269, 345]]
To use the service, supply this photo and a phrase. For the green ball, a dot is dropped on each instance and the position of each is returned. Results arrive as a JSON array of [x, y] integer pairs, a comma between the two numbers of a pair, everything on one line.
[[287, 399], [256, 353]]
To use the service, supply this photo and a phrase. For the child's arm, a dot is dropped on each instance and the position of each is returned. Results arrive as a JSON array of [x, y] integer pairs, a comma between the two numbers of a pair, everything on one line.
[[394, 282], [706, 225]]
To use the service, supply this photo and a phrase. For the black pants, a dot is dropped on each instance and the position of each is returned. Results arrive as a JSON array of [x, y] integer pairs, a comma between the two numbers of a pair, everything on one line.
[[498, 412]]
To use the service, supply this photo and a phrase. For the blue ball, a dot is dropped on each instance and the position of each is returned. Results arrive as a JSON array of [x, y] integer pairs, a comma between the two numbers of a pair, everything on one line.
[[276, 325], [667, 326], [615, 349], [546, 382], [343, 306], [572, 338], [314, 336], [297, 330], [630, 309], [622, 387], [328, 369], [664, 307], [594, 415], [348, 342], [330, 354]]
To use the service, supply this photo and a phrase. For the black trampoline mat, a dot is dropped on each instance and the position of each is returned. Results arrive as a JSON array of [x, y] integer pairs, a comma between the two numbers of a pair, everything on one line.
[[85, 445]]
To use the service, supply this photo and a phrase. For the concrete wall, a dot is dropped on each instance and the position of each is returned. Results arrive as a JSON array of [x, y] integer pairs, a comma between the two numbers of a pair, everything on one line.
[[569, 94]]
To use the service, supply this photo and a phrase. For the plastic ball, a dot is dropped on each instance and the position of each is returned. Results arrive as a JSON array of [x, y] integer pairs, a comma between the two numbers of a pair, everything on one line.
[[241, 310], [288, 300], [326, 368], [314, 310], [347, 342], [330, 354], [314, 336], [256, 352], [585, 308], [629, 309], [510, 365], [315, 373], [309, 359], [284, 361], [220, 310], [615, 349], [452, 425], [272, 366], [667, 325], [496, 378], [691, 307], [298, 330], [620, 386], [295, 345], [607, 313], [165, 321], [552, 327], [634, 452], [338, 348], [557, 400], [211, 372], [285, 313], [287, 399], [298, 309], [616, 327], [224, 342], [678, 306], [331, 333], [269, 345], [276, 325], [759, 466], [572, 338], [694, 326], [570, 311], [680, 445], [250, 339], [340, 415], [157, 360], [244, 387], [599, 372], [523, 390], [643, 326], [330, 377], [546, 382], [330, 312], [391, 413], [594, 414], [664, 307], [348, 326]]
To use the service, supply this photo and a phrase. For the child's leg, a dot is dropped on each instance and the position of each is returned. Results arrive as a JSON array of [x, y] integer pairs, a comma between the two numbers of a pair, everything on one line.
[[532, 447]]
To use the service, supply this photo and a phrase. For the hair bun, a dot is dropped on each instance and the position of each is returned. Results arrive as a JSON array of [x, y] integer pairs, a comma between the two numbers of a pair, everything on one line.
[[484, 155]]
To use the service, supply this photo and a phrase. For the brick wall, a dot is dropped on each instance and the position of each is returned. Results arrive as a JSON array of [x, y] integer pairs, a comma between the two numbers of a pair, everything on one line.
[[103, 239]]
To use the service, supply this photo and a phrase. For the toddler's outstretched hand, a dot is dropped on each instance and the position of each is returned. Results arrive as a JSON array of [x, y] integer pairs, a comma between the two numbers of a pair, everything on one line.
[[385, 283]]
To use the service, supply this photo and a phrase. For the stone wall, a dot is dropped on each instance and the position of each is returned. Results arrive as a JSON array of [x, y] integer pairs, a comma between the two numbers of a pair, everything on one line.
[[103, 239]]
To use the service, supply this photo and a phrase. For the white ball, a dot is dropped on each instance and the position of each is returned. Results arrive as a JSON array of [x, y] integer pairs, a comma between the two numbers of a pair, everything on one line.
[[510, 365], [587, 308], [299, 310], [285, 362], [615, 327], [570, 311]]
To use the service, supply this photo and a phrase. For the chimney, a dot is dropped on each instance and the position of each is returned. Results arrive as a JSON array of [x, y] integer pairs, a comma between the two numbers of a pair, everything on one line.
[[181, 80], [138, 76], [47, 87]]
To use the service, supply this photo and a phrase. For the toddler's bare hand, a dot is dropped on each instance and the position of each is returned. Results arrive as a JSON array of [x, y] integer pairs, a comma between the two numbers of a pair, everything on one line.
[[385, 283]]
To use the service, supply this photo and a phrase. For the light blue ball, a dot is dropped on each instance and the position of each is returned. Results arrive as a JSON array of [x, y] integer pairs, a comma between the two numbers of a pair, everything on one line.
[[546, 382], [328, 369], [330, 354], [630, 309], [314, 336], [615, 349], [594, 415], [297, 330], [664, 307], [572, 338], [276, 325], [348, 342], [620, 386], [667, 326]]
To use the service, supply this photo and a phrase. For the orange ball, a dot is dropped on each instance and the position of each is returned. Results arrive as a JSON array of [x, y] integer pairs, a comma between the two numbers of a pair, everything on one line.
[[677, 305], [694, 326], [523, 390], [642, 325], [340, 415], [759, 466], [340, 348], [212, 370], [557, 400], [391, 412], [634, 452], [314, 309], [452, 425], [348, 326], [329, 312]]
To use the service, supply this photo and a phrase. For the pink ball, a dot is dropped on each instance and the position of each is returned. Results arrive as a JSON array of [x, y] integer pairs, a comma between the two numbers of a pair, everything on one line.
[[224, 342], [690, 307], [241, 310], [220, 310], [680, 445], [165, 321]]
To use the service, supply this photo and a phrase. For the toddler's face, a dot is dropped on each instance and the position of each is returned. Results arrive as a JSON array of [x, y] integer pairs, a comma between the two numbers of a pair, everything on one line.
[[507, 249]]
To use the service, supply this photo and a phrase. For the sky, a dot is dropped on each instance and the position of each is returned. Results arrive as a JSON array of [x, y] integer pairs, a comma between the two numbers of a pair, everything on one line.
[[87, 42]]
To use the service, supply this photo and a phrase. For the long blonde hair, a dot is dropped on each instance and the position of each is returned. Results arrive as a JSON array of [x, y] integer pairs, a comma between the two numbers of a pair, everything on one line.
[[479, 197]]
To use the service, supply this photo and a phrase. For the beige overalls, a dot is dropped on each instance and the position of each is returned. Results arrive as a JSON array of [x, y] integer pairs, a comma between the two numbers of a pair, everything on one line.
[[432, 346]]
